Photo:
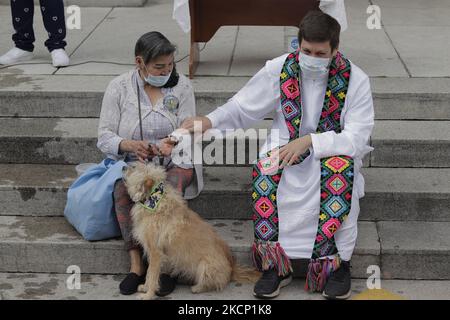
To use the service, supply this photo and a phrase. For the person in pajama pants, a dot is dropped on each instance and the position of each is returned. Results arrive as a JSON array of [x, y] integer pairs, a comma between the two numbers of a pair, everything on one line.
[[22, 13]]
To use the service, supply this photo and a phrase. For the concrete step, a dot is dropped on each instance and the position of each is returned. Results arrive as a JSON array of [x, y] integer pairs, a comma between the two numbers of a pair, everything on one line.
[[403, 250], [397, 194], [49, 96], [410, 144], [97, 3], [74, 140], [24, 241], [408, 246], [71, 141], [47, 286]]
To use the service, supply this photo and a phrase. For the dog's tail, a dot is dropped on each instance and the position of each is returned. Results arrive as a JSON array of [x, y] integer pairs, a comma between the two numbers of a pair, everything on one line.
[[244, 274], [240, 273]]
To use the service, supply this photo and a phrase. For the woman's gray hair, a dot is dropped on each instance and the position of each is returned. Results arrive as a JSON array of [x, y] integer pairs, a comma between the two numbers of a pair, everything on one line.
[[152, 45]]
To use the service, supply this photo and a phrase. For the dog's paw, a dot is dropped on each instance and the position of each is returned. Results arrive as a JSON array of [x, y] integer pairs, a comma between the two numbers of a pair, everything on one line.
[[197, 289], [147, 296], [142, 288]]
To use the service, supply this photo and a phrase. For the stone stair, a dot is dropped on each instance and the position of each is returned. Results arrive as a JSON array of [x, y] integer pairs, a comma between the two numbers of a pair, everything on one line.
[[397, 143], [404, 215]]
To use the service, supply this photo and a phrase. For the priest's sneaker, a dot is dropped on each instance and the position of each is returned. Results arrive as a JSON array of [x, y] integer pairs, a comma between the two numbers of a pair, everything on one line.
[[60, 58], [268, 286], [338, 286], [16, 55]]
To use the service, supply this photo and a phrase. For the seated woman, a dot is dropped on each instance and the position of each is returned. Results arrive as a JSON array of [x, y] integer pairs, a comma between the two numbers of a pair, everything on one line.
[[155, 93]]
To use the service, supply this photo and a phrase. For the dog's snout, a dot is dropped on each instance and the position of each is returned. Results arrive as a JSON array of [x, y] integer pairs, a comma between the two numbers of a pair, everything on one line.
[[148, 183]]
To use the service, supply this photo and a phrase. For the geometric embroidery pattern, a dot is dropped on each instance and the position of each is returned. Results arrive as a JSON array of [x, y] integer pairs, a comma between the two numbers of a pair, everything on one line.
[[264, 230], [335, 206], [289, 110], [336, 171], [263, 185], [336, 164], [336, 196], [264, 207], [336, 184]]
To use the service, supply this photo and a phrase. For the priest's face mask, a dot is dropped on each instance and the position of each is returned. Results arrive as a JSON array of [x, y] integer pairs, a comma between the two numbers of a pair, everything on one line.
[[315, 58]]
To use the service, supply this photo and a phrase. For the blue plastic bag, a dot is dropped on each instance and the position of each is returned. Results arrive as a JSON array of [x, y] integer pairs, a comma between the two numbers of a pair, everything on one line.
[[90, 206]]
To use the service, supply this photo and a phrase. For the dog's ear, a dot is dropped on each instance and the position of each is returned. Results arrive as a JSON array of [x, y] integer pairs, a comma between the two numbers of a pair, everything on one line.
[[125, 172], [130, 168]]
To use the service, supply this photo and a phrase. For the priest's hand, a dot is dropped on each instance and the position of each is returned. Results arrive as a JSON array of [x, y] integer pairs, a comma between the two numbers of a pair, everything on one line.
[[196, 124], [291, 152]]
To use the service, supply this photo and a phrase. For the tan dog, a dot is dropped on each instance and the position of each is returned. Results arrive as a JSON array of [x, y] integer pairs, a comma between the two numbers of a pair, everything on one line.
[[175, 238]]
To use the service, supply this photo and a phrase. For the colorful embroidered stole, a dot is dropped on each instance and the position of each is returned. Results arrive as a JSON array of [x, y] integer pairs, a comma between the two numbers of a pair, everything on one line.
[[336, 179]]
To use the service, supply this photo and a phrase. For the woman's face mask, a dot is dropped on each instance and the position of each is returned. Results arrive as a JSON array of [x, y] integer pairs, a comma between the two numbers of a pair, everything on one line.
[[313, 67], [161, 66], [156, 81]]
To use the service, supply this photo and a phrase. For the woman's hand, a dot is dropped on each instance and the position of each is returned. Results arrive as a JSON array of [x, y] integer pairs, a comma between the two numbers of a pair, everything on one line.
[[291, 152], [197, 124], [141, 149], [166, 146]]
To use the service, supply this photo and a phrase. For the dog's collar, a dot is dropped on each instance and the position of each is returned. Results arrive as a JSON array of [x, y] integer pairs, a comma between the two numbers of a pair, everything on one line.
[[154, 198]]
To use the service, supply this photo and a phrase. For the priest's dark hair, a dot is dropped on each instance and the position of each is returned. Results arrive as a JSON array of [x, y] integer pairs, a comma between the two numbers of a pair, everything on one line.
[[153, 45], [317, 26]]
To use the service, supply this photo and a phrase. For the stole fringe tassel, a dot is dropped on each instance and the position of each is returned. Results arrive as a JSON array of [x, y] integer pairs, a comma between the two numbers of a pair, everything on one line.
[[267, 255], [319, 271]]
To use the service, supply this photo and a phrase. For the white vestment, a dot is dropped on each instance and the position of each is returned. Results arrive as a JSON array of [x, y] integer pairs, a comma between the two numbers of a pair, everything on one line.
[[298, 195]]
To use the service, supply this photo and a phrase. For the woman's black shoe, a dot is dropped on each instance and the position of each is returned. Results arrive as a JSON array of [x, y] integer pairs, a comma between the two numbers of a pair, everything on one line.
[[166, 285], [130, 284]]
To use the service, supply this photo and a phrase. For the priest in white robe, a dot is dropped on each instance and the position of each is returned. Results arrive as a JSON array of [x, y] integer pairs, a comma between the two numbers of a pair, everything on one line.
[[298, 195]]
